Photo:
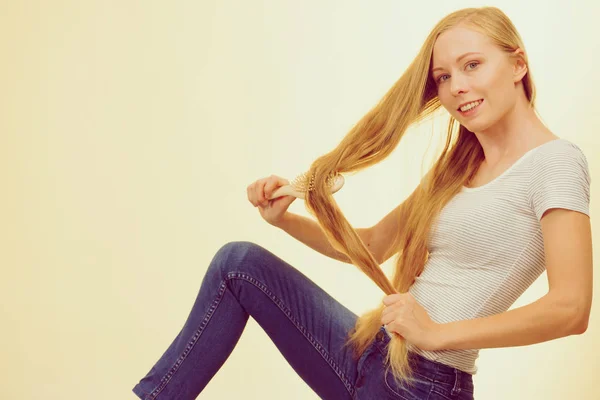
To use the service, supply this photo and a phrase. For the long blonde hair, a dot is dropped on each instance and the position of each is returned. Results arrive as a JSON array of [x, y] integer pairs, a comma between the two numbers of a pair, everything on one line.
[[411, 99]]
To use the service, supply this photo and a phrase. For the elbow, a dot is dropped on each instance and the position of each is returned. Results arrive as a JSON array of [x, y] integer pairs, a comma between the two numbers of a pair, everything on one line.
[[579, 319], [575, 312], [571, 322], [580, 324]]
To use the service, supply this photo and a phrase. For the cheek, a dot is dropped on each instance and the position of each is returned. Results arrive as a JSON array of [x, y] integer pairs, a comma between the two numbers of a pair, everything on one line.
[[495, 87], [447, 101], [501, 97]]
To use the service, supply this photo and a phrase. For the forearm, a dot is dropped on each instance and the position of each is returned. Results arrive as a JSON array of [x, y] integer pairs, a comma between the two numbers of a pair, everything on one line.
[[309, 232], [543, 320]]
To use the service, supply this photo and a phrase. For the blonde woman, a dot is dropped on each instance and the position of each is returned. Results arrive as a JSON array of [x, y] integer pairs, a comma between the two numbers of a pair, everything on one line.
[[506, 199]]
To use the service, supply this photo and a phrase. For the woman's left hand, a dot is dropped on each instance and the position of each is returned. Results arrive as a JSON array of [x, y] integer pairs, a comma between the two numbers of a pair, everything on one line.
[[404, 316]]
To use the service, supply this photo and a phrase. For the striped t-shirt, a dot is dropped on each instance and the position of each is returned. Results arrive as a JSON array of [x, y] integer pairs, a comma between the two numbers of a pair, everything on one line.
[[486, 248]]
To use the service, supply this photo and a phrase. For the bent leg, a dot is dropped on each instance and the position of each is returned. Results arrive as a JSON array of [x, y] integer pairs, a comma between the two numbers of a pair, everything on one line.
[[306, 324]]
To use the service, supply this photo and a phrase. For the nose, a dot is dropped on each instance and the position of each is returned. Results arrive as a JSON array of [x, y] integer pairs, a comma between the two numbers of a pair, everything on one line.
[[458, 85]]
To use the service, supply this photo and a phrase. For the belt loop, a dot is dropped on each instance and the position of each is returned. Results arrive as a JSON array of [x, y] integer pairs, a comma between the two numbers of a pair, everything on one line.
[[456, 388]]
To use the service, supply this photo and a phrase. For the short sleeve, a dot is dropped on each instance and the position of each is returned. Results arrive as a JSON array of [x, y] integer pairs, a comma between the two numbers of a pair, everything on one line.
[[560, 178]]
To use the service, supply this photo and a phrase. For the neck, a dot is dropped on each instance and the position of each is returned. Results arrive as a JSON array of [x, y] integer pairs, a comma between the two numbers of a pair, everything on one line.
[[516, 133]]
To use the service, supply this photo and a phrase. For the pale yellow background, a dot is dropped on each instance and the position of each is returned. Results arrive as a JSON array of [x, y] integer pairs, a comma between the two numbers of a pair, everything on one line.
[[131, 129]]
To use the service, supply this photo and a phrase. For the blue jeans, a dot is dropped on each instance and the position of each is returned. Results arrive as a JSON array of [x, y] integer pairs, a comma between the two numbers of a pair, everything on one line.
[[308, 326]]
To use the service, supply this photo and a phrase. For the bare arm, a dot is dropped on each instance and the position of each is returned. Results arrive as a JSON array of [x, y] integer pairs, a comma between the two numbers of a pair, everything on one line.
[[382, 234], [379, 238], [309, 232]]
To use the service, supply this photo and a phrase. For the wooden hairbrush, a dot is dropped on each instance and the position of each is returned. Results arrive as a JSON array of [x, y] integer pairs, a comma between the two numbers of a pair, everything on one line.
[[301, 184]]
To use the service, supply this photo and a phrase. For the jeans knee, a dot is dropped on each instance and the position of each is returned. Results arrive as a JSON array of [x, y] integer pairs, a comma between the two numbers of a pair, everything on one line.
[[232, 254]]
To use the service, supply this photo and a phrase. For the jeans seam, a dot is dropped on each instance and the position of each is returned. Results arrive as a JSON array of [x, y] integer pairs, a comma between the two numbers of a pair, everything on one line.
[[240, 275], [165, 379], [456, 389], [430, 390], [302, 329]]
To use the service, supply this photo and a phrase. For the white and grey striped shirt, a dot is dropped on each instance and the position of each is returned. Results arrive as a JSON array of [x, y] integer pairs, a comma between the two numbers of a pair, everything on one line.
[[486, 248]]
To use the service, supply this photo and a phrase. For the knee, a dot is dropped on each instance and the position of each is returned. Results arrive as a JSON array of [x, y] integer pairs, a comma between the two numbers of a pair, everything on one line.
[[233, 254], [236, 248]]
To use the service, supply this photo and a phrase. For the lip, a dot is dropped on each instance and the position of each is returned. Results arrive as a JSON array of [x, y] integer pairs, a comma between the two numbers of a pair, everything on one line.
[[464, 104], [472, 111]]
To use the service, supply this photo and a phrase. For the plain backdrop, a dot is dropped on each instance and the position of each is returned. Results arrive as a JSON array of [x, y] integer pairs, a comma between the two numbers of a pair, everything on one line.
[[129, 131]]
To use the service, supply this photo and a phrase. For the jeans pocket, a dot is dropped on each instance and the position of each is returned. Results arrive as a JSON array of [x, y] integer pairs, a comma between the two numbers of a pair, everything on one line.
[[417, 388], [443, 391]]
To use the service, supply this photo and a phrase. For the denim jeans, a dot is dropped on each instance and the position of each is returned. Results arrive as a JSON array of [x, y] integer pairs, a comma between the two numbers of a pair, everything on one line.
[[307, 325]]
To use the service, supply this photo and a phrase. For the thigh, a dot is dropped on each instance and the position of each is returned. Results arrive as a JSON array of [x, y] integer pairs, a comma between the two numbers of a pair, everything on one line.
[[308, 326], [380, 384], [376, 382]]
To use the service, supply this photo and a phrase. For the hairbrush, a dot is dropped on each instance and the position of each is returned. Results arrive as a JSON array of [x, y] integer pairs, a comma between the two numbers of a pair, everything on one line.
[[302, 183]]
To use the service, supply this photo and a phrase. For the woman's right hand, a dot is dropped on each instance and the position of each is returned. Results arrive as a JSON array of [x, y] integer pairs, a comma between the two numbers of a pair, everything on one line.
[[273, 210]]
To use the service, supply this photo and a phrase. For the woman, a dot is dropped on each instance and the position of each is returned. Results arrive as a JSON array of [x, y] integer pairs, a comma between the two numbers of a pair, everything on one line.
[[505, 200]]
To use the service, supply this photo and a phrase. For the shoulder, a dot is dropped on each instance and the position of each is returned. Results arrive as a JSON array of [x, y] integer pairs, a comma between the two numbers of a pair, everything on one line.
[[559, 146], [559, 154], [559, 178]]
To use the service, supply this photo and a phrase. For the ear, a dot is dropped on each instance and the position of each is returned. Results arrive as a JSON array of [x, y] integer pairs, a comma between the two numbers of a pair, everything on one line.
[[519, 65]]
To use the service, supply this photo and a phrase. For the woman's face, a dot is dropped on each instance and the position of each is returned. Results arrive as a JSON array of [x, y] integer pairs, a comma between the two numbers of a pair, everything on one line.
[[469, 69]]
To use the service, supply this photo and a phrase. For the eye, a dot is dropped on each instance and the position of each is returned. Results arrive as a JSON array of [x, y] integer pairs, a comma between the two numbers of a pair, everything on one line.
[[439, 79], [474, 63]]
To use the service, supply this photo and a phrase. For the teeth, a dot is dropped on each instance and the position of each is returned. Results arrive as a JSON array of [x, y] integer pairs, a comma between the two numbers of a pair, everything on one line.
[[470, 105]]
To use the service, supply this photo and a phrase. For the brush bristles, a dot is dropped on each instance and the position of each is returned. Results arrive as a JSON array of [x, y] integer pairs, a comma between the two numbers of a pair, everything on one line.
[[302, 183]]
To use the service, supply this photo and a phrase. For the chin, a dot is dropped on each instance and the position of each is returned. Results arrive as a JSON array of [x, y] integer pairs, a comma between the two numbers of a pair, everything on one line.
[[475, 126]]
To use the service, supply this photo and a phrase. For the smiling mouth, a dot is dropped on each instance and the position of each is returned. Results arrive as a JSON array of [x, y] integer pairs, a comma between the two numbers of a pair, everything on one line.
[[479, 102]]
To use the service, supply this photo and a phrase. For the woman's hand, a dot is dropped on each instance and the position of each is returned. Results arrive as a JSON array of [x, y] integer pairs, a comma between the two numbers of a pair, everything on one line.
[[404, 316], [259, 192]]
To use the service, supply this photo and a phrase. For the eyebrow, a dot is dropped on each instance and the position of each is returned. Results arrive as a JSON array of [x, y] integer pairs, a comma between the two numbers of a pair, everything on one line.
[[458, 59]]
